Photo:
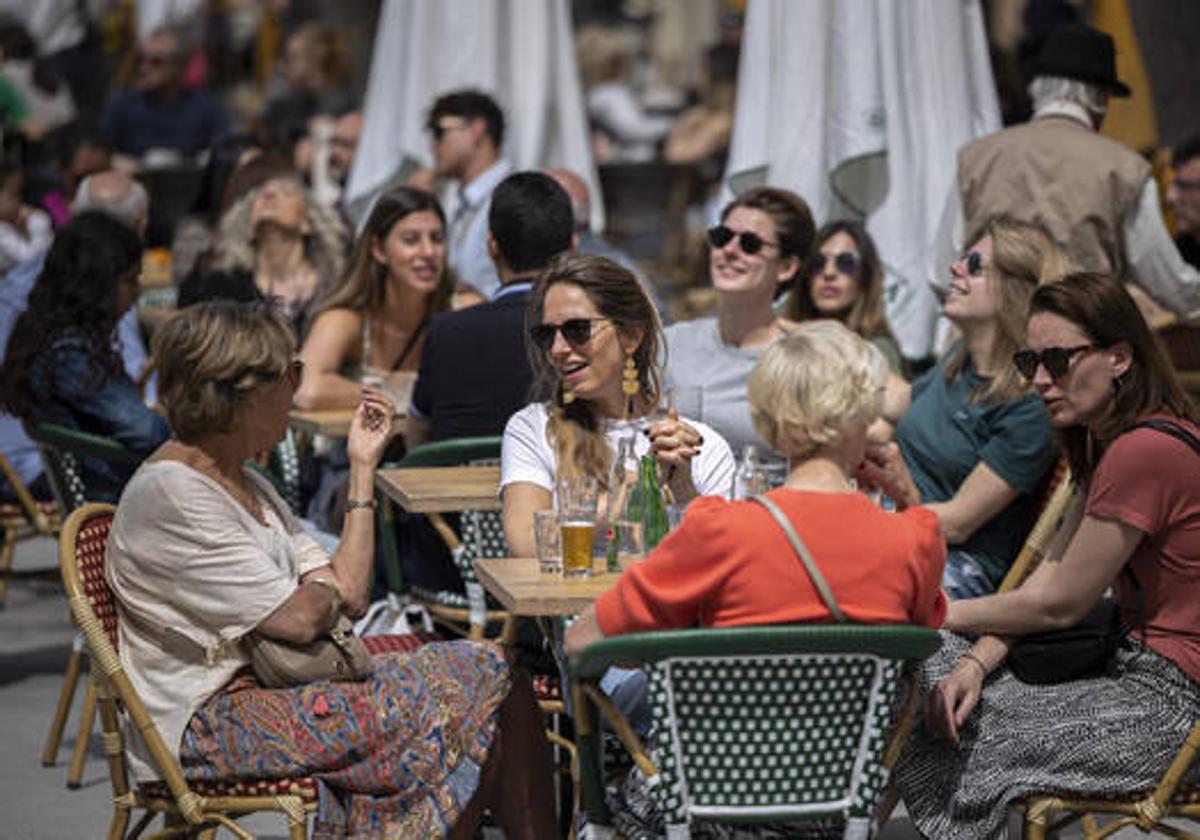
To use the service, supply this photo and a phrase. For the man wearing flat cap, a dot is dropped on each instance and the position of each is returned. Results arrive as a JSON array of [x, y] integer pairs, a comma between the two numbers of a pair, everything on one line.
[[1093, 195]]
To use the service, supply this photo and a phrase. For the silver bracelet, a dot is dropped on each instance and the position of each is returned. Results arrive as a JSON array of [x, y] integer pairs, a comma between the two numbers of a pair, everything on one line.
[[351, 504]]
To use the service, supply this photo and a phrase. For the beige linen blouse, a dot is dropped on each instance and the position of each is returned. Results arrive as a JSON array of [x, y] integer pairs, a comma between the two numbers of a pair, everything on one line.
[[193, 572]]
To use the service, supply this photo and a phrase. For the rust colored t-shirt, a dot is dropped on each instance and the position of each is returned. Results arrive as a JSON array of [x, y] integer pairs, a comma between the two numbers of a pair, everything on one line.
[[1151, 481], [729, 564]]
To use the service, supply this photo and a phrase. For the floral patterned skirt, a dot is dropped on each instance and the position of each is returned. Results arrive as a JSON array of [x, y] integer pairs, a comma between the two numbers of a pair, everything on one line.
[[396, 755]]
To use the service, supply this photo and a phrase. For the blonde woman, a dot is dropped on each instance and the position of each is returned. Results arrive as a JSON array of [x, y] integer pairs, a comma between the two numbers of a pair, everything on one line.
[[293, 247], [375, 322], [972, 440], [591, 320]]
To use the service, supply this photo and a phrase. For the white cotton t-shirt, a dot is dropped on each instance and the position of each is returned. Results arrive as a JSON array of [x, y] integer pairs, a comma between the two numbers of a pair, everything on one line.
[[526, 454]]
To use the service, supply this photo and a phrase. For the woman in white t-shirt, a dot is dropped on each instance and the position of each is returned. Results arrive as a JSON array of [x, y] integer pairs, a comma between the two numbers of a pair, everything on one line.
[[591, 323]]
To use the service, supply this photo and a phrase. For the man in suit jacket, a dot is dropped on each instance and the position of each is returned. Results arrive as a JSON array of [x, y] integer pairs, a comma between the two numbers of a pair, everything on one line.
[[475, 369]]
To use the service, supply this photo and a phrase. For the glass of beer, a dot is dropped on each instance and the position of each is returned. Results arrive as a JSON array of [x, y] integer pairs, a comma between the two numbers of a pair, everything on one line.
[[578, 497], [577, 538]]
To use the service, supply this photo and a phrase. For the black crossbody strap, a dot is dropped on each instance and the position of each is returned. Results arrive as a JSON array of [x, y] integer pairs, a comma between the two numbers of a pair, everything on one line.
[[801, 550]]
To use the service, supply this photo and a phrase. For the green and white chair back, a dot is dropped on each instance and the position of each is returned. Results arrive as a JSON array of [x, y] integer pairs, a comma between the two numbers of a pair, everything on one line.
[[784, 724], [61, 447]]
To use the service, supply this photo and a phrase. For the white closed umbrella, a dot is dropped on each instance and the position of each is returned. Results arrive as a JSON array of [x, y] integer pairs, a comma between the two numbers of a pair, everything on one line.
[[860, 106]]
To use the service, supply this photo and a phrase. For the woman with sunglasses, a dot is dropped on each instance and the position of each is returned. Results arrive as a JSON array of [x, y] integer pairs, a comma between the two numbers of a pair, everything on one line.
[[595, 329], [1132, 526], [845, 282], [758, 248], [972, 442]]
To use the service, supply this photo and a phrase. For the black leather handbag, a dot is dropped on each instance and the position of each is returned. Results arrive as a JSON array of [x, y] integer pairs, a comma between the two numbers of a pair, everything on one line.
[[1088, 648]]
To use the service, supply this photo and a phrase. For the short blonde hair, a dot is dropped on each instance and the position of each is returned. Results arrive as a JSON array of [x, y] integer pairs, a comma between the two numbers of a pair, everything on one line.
[[814, 386], [209, 356]]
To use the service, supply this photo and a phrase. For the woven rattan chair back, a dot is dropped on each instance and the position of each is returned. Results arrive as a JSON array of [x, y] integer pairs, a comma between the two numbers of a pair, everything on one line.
[[768, 724], [82, 557]]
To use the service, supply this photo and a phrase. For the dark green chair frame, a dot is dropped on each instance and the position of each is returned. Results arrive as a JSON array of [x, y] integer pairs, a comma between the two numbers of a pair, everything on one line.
[[891, 649]]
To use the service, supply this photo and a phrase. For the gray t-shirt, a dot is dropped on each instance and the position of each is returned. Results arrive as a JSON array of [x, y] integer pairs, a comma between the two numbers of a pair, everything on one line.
[[699, 362]]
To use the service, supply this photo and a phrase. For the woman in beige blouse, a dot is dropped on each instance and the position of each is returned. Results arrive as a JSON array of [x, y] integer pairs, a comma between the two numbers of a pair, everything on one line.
[[203, 551]]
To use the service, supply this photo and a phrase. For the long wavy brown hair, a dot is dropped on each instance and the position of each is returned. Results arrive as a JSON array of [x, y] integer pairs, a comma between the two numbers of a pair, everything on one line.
[[1100, 307], [574, 429]]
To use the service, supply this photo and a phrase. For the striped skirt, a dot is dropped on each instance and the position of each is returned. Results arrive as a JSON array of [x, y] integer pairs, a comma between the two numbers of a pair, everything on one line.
[[396, 755], [1105, 735]]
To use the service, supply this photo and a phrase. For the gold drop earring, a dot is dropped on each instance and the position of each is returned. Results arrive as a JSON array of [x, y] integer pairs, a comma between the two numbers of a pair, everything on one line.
[[568, 394], [630, 384]]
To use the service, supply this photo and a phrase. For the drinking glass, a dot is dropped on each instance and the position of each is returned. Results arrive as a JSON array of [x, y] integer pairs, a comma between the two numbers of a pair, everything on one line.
[[578, 497], [549, 542]]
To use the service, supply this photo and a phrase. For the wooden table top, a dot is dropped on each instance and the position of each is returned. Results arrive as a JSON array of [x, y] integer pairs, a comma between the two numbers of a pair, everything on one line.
[[441, 489], [523, 590]]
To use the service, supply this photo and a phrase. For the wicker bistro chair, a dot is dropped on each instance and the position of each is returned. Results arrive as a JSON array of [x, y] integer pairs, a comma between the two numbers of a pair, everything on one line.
[[27, 517], [187, 807], [758, 724], [482, 536], [60, 448]]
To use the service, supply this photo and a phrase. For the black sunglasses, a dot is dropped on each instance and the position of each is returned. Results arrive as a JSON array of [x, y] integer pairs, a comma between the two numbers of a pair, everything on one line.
[[439, 129], [1056, 360], [974, 263], [749, 242], [846, 263], [576, 331]]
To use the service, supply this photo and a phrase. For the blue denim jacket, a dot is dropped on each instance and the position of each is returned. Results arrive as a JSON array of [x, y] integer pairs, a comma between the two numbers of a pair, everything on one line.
[[66, 391]]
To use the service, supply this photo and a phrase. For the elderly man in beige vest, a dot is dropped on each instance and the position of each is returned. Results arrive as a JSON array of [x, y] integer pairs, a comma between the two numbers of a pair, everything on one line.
[[1094, 195]]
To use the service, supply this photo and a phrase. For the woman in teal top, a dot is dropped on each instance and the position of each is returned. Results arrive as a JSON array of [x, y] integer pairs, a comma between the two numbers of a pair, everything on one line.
[[972, 441]]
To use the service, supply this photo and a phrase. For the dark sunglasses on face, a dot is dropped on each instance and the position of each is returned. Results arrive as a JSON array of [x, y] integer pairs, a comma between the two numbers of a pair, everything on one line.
[[439, 129], [1056, 360], [576, 331], [846, 263], [749, 242], [973, 260]]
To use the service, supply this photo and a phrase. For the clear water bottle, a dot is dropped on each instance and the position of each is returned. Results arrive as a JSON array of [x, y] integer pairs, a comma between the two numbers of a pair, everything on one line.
[[748, 477], [622, 490]]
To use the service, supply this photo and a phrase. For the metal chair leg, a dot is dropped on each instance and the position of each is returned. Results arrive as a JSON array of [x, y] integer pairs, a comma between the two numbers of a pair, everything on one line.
[[65, 697], [87, 719]]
